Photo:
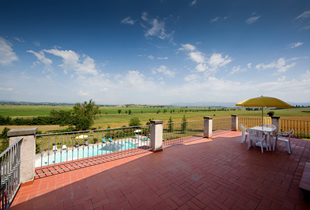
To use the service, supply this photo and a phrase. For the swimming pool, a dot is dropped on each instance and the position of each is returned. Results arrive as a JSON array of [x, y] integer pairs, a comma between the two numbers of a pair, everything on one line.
[[82, 152]]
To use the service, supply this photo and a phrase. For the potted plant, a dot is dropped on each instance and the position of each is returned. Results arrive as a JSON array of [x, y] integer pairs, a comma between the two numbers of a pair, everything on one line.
[[271, 113]]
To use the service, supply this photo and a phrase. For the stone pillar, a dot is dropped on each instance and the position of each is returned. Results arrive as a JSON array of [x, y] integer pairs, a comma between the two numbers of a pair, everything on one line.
[[27, 152], [234, 122], [276, 121], [156, 135], [207, 130]]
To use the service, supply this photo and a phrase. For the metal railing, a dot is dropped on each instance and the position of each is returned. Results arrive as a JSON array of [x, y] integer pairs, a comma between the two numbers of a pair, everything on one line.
[[182, 131], [221, 124], [10, 173], [253, 121], [63, 151], [301, 127]]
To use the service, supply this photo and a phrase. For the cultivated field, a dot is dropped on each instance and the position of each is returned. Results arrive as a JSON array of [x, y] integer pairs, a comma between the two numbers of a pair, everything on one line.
[[109, 115]]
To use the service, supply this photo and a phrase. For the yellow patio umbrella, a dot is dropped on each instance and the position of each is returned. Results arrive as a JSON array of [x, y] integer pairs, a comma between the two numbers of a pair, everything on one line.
[[264, 101]]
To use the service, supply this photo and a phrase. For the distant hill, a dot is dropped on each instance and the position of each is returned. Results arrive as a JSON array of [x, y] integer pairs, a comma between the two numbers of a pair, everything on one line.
[[33, 103], [180, 104], [206, 104]]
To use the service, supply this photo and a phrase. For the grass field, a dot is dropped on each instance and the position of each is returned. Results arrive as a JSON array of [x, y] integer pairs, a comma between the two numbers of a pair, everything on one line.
[[109, 115]]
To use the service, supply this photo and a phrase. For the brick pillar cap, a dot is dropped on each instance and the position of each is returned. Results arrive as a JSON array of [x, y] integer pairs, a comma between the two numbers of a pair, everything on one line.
[[22, 132], [234, 115], [275, 117], [156, 122]]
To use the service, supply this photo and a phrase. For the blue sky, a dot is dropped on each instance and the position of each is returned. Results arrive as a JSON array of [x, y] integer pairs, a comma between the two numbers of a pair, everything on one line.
[[154, 52]]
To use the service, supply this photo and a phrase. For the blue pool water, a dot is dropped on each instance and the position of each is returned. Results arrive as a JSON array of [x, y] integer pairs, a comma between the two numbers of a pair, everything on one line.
[[78, 153]]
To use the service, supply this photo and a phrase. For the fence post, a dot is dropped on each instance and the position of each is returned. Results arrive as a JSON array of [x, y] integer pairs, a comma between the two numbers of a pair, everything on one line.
[[234, 122], [27, 151], [156, 135], [207, 128], [276, 121]]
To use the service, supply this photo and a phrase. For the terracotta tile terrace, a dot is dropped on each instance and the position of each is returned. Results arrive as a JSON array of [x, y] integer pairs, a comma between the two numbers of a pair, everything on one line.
[[216, 173]]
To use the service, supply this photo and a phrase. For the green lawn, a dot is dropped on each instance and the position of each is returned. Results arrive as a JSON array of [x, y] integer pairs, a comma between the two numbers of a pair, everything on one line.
[[28, 110]]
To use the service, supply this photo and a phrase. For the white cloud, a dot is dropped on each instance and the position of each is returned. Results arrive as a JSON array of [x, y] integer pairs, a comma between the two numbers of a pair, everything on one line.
[[218, 19], [7, 55], [87, 67], [134, 78], [83, 93], [279, 65], [36, 43], [151, 57], [236, 69], [6, 89], [252, 19], [162, 58], [305, 14], [202, 67], [163, 69], [193, 2], [216, 60], [128, 20], [249, 65], [214, 19], [41, 57], [72, 62], [197, 57], [305, 28], [157, 28], [281, 78], [35, 64], [188, 47], [306, 76], [297, 44], [19, 39], [191, 77], [285, 68]]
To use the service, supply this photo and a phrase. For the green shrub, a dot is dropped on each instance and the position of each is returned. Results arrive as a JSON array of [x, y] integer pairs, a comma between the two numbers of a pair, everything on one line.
[[4, 139], [135, 121], [271, 113]]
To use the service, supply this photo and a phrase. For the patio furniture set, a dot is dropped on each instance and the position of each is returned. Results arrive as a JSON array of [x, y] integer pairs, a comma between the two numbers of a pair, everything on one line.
[[262, 136]]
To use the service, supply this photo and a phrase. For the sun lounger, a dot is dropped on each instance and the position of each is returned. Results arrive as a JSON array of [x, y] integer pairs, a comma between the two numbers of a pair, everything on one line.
[[145, 139]]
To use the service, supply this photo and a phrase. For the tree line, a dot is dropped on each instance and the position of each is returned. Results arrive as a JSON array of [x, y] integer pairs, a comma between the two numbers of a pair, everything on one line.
[[81, 116]]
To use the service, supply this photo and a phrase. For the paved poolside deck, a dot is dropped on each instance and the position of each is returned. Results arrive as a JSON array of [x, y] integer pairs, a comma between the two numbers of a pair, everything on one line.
[[217, 173]]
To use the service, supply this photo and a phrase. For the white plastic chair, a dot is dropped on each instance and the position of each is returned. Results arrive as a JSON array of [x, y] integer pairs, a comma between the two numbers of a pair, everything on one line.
[[286, 141], [54, 148], [273, 134], [64, 147], [245, 134], [257, 136]]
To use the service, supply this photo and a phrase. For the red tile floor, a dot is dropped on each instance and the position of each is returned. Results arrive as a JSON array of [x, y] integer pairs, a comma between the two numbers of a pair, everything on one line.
[[217, 173]]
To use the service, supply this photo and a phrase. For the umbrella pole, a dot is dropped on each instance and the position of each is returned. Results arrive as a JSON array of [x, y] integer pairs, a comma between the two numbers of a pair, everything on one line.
[[262, 117]]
